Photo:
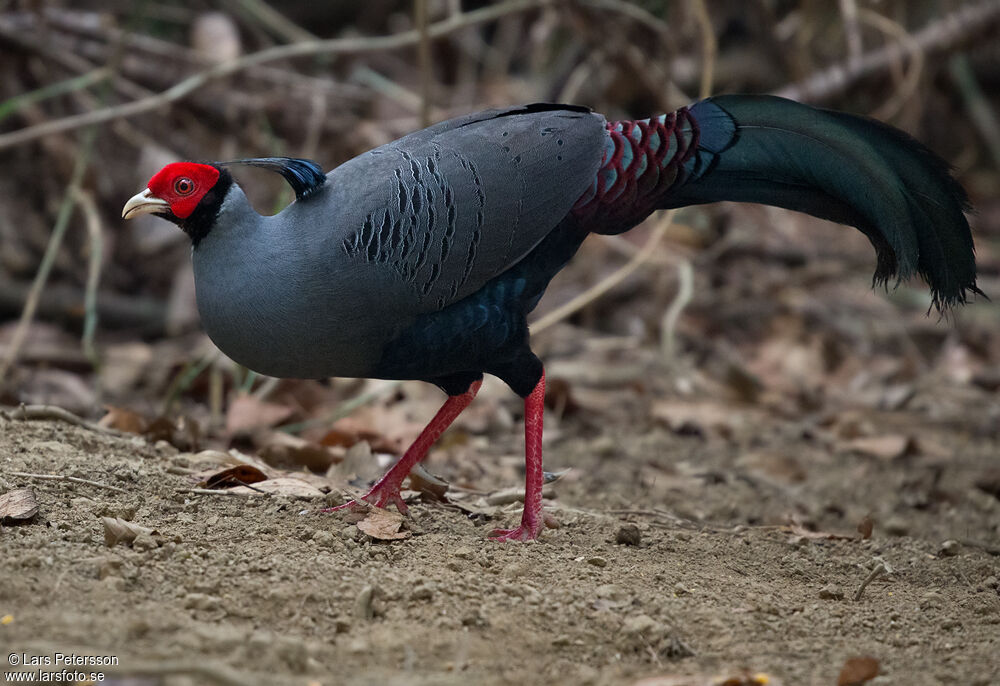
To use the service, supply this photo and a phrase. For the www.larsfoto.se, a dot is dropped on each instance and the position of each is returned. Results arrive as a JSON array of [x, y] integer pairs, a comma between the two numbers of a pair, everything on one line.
[[41, 676]]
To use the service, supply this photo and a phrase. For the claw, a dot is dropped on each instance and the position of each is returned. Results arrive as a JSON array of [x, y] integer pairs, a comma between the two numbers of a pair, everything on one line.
[[521, 533], [380, 496]]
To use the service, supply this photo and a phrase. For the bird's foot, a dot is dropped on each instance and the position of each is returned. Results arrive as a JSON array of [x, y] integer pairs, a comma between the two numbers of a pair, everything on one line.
[[527, 531], [382, 495], [521, 533]]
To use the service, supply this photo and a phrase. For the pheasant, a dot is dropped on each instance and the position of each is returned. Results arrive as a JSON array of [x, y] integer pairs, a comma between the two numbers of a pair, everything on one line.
[[422, 258]]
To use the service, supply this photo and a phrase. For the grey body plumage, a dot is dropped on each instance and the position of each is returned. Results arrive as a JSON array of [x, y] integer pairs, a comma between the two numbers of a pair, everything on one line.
[[405, 229]]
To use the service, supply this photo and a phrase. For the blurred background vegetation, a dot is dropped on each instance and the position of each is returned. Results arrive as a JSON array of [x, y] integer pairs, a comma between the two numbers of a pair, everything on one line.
[[96, 96]]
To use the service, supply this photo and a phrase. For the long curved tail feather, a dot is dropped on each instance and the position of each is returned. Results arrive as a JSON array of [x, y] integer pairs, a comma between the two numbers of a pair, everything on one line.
[[845, 168]]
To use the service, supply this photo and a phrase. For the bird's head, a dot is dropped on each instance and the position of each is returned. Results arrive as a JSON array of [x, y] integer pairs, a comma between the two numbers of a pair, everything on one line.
[[186, 193]]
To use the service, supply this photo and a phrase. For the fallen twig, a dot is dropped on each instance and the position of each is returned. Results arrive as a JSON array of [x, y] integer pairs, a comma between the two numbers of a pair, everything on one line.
[[213, 491], [64, 477], [42, 412], [881, 569]]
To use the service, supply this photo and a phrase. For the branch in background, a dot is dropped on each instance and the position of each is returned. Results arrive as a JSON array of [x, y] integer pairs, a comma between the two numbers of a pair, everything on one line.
[[633, 12], [422, 13], [709, 48], [115, 310], [849, 11], [336, 46], [55, 242], [938, 36], [983, 117], [96, 247], [271, 20], [907, 83], [64, 24], [608, 282], [668, 324], [9, 107]]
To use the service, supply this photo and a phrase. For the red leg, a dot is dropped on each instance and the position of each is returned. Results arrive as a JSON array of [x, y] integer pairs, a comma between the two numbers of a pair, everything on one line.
[[531, 519], [386, 490]]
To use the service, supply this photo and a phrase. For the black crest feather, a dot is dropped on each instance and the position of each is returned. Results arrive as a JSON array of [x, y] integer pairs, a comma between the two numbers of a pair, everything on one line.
[[304, 176]]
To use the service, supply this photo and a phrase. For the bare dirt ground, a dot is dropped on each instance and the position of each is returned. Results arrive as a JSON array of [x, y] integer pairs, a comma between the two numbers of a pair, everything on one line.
[[696, 545], [804, 489]]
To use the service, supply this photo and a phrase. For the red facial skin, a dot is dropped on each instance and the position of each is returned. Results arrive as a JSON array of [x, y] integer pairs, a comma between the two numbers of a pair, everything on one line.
[[183, 185]]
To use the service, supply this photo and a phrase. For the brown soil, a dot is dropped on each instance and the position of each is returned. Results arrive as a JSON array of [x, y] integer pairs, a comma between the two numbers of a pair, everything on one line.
[[731, 576]]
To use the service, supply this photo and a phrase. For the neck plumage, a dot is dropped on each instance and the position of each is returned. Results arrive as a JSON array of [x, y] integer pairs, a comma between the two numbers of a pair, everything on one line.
[[200, 222]]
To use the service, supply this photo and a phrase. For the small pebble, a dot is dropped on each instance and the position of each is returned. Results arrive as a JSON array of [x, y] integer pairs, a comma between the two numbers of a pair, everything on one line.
[[144, 542], [358, 645], [423, 591], [475, 618], [639, 624], [831, 593], [597, 561], [463, 552], [364, 604], [949, 548], [896, 526], [628, 534], [202, 601], [109, 567], [610, 591]]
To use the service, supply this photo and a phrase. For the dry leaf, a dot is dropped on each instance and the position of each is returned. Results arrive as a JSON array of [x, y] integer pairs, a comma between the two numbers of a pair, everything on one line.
[[428, 484], [120, 531], [283, 485], [989, 482], [515, 494], [800, 532], [698, 417], [475, 509], [673, 680], [285, 450], [247, 413], [774, 465], [239, 475], [858, 670], [183, 433], [383, 525], [218, 457], [122, 419], [887, 447], [759, 679], [18, 507], [338, 438], [559, 397], [866, 526]]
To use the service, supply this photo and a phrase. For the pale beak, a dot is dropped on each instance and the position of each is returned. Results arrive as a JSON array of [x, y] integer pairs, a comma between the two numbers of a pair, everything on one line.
[[144, 203]]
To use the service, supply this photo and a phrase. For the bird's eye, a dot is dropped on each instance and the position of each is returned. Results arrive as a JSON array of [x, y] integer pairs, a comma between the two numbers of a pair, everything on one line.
[[183, 185]]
